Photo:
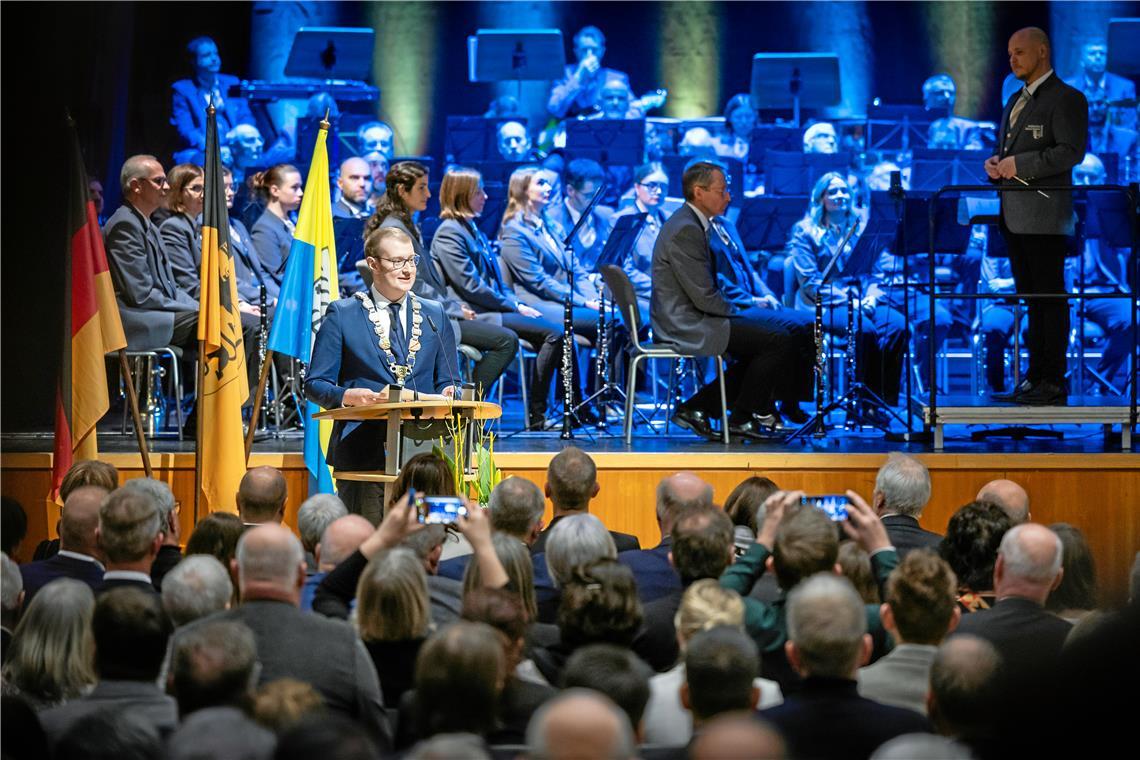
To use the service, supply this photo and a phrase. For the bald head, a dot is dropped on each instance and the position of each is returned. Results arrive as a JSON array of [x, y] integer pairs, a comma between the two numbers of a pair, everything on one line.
[[678, 493], [355, 179], [1032, 35], [578, 724], [1029, 563], [961, 679], [80, 518], [1011, 497], [271, 564], [261, 496], [341, 538], [737, 736], [1029, 51]]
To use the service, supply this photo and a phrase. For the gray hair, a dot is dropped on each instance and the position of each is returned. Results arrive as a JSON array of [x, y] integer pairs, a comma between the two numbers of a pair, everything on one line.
[[1019, 560], [316, 513], [158, 491], [444, 746], [516, 506], [50, 656], [129, 522], [536, 738], [272, 562], [826, 621], [576, 540], [904, 483], [11, 582], [701, 174], [197, 586], [909, 746], [134, 168]]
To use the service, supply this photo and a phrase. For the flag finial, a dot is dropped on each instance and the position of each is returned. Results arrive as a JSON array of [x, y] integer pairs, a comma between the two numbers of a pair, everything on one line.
[[325, 121]]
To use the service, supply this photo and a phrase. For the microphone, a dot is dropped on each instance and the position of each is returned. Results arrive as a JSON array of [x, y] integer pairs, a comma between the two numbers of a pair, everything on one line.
[[896, 190], [450, 363]]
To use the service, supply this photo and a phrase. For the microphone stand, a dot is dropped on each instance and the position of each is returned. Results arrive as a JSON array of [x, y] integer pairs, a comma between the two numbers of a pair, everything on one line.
[[568, 410]]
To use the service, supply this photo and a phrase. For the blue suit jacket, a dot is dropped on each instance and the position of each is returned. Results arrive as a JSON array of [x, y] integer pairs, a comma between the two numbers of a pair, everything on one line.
[[36, 575], [188, 115], [655, 576], [347, 355]]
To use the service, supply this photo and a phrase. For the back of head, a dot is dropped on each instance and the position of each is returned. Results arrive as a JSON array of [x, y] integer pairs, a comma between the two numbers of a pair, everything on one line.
[[327, 735], [904, 483], [962, 683], [1010, 496], [519, 566], [806, 544], [11, 584], [282, 703], [516, 507], [1031, 555], [213, 665], [576, 540], [971, 543], [599, 605], [216, 534], [129, 525], [614, 671], [743, 505], [579, 723], [89, 472], [855, 565], [737, 737], [427, 473], [910, 746], [826, 622], [572, 477], [261, 495], [316, 513], [459, 673], [111, 735], [922, 594], [159, 492], [341, 538], [392, 597], [269, 556], [80, 518], [702, 545], [583, 170], [447, 746], [196, 587], [720, 665], [50, 654], [1078, 589], [130, 631], [499, 608], [14, 525], [706, 604], [678, 493]]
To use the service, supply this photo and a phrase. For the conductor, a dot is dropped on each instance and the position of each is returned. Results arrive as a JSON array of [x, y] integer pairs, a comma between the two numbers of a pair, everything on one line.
[[1044, 130]]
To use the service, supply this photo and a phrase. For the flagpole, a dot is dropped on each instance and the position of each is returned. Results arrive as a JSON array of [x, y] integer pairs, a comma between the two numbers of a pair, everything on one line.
[[261, 379], [133, 400], [200, 367]]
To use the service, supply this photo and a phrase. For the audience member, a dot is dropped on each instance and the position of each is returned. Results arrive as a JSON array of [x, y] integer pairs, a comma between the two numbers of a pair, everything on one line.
[[197, 586], [577, 540], [745, 505], [49, 659], [614, 672], [737, 737], [339, 539], [1076, 596], [216, 534], [279, 705], [571, 482], [518, 564], [910, 746], [827, 642], [1027, 570], [11, 601], [130, 633], [961, 700], [170, 552], [902, 490], [111, 735], [445, 594], [970, 546], [655, 574], [919, 611], [261, 496], [129, 533], [213, 666], [516, 506], [721, 665], [580, 723], [1011, 497], [327, 736], [220, 733], [14, 527], [78, 552], [315, 514], [855, 566]]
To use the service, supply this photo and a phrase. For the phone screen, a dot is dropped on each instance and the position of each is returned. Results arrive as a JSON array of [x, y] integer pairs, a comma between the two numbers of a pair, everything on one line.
[[833, 505], [439, 510]]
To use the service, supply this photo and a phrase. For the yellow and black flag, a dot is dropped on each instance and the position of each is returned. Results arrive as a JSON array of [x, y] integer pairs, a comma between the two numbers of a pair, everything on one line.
[[222, 386]]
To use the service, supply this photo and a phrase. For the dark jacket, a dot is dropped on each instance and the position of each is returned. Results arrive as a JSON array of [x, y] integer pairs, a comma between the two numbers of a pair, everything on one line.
[[180, 237], [36, 575], [536, 266], [1024, 634], [188, 115], [623, 541], [469, 268], [907, 535], [272, 240], [655, 576]]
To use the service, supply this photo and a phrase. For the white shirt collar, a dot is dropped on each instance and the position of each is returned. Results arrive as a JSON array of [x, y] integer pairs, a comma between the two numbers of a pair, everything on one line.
[[700, 215], [382, 302], [574, 215], [1032, 86], [77, 555], [126, 575]]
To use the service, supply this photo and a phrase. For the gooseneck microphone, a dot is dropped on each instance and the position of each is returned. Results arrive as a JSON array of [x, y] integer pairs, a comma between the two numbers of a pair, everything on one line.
[[455, 382]]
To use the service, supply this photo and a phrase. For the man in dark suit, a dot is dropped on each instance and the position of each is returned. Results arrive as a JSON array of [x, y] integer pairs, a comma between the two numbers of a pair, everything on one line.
[[773, 354], [154, 310], [191, 97], [827, 642], [581, 180], [902, 490], [361, 348], [78, 549], [355, 183], [571, 481], [677, 494], [130, 535], [1094, 81], [1044, 131], [1028, 568]]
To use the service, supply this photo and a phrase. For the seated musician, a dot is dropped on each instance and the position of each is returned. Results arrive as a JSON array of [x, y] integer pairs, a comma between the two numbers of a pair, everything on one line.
[[536, 264], [514, 142], [378, 165], [582, 179], [1105, 137], [471, 270], [191, 96], [950, 132], [650, 186], [354, 180], [1095, 81], [881, 333], [579, 92], [821, 138], [997, 318], [739, 120], [180, 232], [279, 188], [375, 136], [381, 337]]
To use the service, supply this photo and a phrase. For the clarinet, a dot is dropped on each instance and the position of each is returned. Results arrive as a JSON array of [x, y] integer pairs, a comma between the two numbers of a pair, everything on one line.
[[568, 363], [262, 344], [820, 366], [603, 363], [849, 363]]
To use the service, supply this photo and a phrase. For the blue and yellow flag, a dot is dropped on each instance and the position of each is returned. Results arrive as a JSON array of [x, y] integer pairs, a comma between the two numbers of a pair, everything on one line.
[[309, 286], [222, 387]]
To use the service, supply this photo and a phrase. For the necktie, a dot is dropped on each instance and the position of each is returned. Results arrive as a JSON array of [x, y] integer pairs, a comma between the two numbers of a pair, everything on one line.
[[396, 333], [1018, 107]]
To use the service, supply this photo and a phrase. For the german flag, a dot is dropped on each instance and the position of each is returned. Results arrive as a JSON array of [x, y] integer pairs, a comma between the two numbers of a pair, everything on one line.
[[222, 386], [92, 327]]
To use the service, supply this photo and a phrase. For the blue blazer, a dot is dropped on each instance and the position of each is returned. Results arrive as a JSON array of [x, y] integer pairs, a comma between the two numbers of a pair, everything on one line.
[[188, 115], [347, 355], [651, 569], [36, 575]]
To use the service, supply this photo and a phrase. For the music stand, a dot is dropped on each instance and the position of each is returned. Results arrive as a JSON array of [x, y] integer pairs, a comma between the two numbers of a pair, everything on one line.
[[331, 53], [498, 172], [808, 80], [474, 138], [932, 168], [766, 137], [950, 236], [1124, 46], [503, 55], [618, 142], [795, 173], [904, 124], [765, 222], [622, 238]]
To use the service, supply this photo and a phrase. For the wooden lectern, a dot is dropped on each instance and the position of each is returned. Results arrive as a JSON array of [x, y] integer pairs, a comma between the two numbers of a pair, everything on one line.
[[396, 413]]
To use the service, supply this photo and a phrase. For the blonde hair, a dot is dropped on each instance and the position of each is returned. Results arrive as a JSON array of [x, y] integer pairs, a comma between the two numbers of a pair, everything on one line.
[[376, 239], [517, 191], [459, 184], [519, 566], [392, 598], [704, 605], [52, 652]]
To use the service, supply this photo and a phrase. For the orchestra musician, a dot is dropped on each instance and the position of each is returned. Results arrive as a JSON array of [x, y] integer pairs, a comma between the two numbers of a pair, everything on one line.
[[190, 97], [582, 178], [650, 186], [279, 188], [579, 91]]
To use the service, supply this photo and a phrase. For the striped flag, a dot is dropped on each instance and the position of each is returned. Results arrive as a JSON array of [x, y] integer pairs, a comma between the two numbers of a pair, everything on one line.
[[222, 387], [308, 287], [92, 327]]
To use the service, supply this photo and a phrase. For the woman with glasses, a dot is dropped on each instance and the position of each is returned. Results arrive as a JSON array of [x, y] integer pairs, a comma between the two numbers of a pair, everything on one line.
[[472, 273], [535, 263], [279, 188], [406, 193], [650, 186], [180, 231]]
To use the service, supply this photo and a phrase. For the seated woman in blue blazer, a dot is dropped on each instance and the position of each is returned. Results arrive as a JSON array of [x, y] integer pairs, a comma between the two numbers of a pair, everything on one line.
[[471, 272], [279, 188]]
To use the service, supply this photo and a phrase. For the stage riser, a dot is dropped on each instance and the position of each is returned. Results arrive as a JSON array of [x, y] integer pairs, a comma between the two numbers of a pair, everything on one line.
[[1100, 494]]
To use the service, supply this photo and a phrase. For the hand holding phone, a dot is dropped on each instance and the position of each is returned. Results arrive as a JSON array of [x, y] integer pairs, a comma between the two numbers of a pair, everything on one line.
[[833, 505], [439, 510]]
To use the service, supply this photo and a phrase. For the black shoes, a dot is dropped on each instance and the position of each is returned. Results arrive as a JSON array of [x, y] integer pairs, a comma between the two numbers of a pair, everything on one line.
[[695, 422], [1043, 393], [1020, 388], [792, 412], [758, 427]]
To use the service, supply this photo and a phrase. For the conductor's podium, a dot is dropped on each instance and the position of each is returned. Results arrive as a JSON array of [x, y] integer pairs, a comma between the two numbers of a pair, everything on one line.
[[405, 417]]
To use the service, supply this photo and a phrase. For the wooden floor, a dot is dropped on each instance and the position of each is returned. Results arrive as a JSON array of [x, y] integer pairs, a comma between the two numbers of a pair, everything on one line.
[[1097, 492]]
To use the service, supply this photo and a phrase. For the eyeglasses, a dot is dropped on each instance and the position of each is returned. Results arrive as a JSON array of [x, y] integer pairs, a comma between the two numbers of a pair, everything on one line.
[[157, 181], [654, 187], [401, 264]]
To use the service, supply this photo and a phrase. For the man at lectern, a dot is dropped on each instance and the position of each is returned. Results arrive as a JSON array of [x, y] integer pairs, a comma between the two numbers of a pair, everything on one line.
[[384, 336]]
